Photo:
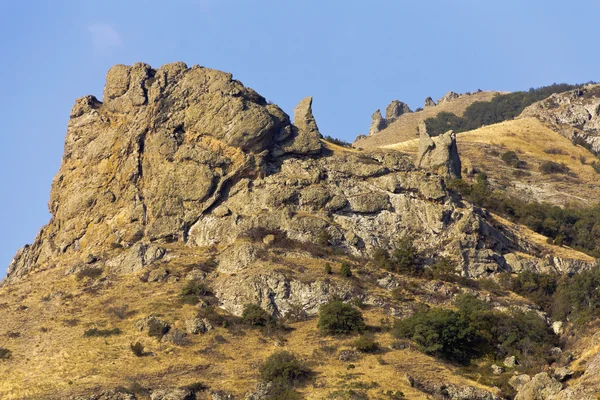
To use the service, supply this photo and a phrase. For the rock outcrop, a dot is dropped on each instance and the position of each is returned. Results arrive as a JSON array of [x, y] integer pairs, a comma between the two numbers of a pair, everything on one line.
[[395, 109], [448, 97], [438, 153], [191, 156], [429, 103], [378, 123], [574, 114]]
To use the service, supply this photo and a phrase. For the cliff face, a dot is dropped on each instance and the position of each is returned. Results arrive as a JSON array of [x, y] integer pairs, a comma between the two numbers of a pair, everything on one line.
[[189, 155]]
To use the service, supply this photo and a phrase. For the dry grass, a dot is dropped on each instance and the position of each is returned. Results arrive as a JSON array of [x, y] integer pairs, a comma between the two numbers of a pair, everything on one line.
[[52, 358], [529, 138], [405, 128]]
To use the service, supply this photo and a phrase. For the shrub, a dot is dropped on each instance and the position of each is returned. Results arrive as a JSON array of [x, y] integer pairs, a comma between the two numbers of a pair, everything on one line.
[[366, 343], [475, 329], [121, 312], [254, 315], [91, 273], [323, 238], [328, 270], [5, 354], [577, 297], [551, 167], [284, 369], [337, 317], [137, 348], [595, 165], [192, 292], [555, 150], [404, 257], [95, 332], [511, 158], [337, 141], [346, 270], [440, 332]]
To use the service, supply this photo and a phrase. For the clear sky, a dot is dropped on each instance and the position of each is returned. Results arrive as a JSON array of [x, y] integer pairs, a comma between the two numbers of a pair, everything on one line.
[[352, 56]]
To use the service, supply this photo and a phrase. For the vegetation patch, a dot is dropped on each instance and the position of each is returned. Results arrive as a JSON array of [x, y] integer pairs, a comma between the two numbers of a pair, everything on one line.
[[5, 354], [338, 318], [192, 292], [285, 372], [575, 227], [475, 329], [501, 108], [95, 332]]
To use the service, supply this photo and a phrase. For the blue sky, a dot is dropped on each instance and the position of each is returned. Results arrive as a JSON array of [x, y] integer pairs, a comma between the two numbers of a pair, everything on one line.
[[352, 56]]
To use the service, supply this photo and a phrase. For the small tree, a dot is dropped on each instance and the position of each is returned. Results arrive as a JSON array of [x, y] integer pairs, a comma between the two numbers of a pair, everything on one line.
[[337, 317], [346, 270]]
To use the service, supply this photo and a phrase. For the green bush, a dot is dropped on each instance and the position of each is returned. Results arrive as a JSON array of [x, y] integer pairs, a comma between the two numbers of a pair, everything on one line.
[[254, 315], [192, 292], [284, 369], [337, 318], [366, 343], [5, 354], [474, 330], [328, 270], [95, 332], [577, 297], [346, 270]]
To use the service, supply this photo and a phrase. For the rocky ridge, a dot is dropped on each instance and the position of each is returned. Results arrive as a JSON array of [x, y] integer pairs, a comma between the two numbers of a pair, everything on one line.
[[574, 114], [179, 159]]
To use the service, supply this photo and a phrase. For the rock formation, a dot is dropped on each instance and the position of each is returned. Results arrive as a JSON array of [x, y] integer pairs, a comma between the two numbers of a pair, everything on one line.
[[448, 97], [438, 153], [395, 109], [304, 119], [574, 114], [378, 123], [429, 103]]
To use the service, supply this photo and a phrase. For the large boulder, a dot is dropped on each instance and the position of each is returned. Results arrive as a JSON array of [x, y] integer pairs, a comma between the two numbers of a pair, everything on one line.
[[541, 387]]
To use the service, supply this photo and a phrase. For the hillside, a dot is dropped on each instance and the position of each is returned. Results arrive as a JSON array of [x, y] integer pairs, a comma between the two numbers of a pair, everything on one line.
[[534, 143], [405, 127], [204, 246]]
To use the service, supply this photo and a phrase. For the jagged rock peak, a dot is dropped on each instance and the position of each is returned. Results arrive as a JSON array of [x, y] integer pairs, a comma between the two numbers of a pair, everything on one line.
[[304, 118], [145, 164], [378, 123], [438, 153], [395, 109], [429, 103], [448, 97]]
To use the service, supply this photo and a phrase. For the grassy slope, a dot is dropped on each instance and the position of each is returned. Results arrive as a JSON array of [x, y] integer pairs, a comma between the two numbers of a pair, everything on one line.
[[52, 359], [405, 127], [528, 138]]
